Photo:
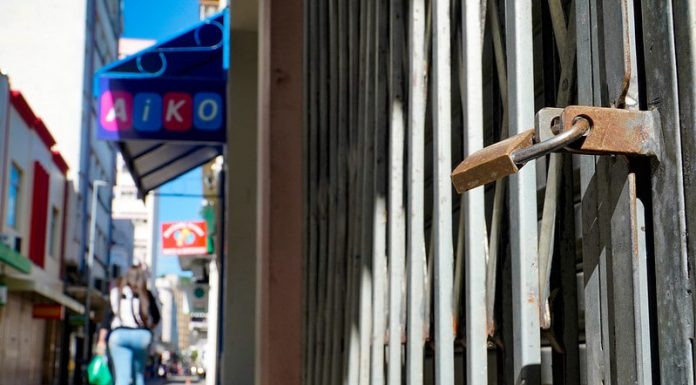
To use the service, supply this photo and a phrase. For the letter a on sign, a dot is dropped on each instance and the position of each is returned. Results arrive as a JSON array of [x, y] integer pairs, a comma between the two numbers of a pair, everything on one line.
[[115, 110]]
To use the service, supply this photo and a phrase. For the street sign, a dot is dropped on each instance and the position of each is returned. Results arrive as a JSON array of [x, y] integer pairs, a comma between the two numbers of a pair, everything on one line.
[[184, 238]]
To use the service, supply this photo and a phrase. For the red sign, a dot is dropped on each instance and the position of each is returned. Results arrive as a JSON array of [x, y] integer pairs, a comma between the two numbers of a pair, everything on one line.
[[47, 311], [184, 238]]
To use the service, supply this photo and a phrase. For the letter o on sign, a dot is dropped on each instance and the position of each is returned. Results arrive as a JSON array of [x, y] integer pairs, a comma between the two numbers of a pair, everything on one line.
[[207, 111]]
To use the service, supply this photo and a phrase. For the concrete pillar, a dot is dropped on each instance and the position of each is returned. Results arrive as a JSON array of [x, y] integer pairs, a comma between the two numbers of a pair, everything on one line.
[[241, 270], [263, 263], [282, 215]]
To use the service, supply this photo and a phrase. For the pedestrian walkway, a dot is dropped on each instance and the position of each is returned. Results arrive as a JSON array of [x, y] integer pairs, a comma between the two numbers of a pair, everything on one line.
[[181, 380]]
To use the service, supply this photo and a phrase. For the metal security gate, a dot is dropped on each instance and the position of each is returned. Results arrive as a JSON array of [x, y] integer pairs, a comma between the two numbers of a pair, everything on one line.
[[574, 270]]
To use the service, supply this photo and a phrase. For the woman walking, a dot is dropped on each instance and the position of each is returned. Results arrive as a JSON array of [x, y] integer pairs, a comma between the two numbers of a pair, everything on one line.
[[127, 327]]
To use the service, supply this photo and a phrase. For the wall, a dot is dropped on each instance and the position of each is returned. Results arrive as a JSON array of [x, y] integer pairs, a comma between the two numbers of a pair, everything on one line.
[[168, 326], [19, 330], [4, 124], [127, 205], [26, 149], [122, 244]]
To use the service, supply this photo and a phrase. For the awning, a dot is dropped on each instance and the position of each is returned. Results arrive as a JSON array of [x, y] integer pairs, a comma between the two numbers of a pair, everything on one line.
[[14, 259], [15, 283], [165, 105], [154, 163]]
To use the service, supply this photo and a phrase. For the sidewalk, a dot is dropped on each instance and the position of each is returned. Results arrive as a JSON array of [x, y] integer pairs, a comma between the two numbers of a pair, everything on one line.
[[181, 380]]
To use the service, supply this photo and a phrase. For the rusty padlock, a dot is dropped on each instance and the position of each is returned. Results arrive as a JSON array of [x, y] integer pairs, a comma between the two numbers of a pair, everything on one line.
[[508, 156], [577, 129], [490, 163]]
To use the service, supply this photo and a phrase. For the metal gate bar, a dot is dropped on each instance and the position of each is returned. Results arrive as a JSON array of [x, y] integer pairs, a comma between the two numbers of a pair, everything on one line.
[[673, 283], [442, 194], [474, 222], [396, 211], [415, 251], [367, 10], [523, 208], [356, 45], [379, 257], [368, 290], [342, 243]]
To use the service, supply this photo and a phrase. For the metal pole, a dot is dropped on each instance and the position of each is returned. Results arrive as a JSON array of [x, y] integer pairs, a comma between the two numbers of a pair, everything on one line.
[[523, 224], [500, 185], [396, 212], [415, 251], [474, 208], [442, 192], [90, 262], [368, 199], [379, 242]]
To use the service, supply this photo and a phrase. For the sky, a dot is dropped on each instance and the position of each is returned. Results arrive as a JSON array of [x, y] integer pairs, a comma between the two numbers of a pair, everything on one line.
[[157, 19], [160, 19]]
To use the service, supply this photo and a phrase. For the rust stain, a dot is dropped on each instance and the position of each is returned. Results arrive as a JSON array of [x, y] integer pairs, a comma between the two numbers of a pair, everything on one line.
[[613, 131], [531, 299], [490, 328]]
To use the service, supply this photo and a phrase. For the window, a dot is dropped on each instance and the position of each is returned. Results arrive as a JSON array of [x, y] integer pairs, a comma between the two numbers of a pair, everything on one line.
[[14, 194], [53, 233]]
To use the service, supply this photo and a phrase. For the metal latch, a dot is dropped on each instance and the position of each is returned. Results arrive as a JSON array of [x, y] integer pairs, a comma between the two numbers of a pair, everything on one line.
[[577, 129]]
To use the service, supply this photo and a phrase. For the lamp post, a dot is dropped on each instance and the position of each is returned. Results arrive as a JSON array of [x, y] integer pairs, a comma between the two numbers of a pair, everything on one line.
[[90, 263]]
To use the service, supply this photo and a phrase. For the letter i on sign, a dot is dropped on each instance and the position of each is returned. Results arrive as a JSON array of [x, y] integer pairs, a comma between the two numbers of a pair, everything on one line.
[[147, 111], [115, 110]]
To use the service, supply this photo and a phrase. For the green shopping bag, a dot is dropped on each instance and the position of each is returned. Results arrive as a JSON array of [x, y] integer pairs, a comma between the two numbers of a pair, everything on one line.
[[98, 372]]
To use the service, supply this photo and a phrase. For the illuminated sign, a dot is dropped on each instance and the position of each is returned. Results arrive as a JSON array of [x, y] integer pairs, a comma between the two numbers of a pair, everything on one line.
[[161, 109], [184, 238]]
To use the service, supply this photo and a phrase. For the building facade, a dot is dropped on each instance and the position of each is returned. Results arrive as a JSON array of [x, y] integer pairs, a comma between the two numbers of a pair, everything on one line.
[[61, 88], [122, 246], [174, 293], [35, 216], [168, 328], [141, 213]]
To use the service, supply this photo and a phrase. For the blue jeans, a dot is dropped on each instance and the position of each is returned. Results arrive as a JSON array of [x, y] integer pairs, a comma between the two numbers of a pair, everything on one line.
[[128, 349]]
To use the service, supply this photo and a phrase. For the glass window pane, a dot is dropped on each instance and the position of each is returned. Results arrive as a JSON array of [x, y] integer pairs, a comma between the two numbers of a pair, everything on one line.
[[53, 233], [13, 195]]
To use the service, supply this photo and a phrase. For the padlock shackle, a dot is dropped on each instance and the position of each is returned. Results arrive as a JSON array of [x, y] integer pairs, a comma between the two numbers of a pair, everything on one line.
[[580, 127]]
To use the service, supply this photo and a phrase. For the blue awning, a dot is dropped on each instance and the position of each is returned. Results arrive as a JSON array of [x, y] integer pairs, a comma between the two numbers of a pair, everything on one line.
[[165, 105]]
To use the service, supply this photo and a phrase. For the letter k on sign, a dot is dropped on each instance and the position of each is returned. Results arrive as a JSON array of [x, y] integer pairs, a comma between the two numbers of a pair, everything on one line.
[[177, 111]]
